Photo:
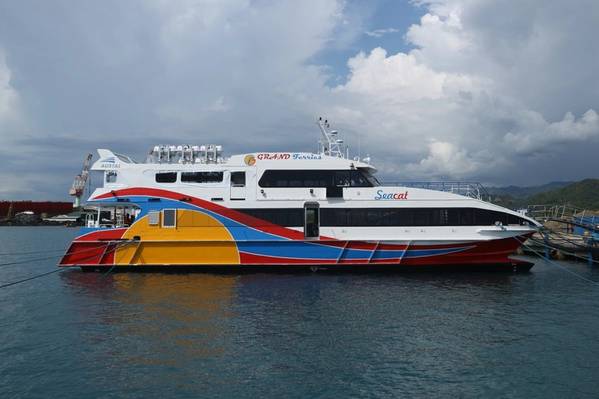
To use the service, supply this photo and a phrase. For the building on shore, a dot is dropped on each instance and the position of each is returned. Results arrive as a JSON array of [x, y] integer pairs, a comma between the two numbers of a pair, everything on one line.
[[31, 212]]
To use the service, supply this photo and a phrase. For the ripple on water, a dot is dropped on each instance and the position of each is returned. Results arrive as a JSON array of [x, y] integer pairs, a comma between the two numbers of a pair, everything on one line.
[[77, 334]]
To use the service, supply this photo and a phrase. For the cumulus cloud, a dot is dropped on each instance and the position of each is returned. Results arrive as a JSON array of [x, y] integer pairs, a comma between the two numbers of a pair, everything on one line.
[[445, 158], [538, 134], [482, 93], [398, 77], [138, 73], [380, 32]]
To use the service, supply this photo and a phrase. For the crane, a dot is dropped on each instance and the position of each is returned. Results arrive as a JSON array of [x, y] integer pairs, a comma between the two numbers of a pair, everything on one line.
[[79, 182]]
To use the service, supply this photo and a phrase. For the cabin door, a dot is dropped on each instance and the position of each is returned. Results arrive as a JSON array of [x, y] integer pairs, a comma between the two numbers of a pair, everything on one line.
[[311, 220], [238, 185]]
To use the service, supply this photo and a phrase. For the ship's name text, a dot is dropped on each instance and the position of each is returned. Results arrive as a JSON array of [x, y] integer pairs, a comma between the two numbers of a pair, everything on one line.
[[277, 156], [381, 195]]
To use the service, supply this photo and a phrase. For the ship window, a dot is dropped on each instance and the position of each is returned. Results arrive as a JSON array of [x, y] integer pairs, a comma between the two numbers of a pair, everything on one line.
[[111, 176], [169, 218], [316, 178], [166, 177], [415, 217], [287, 217], [202, 177], [238, 179], [362, 217], [341, 178], [360, 179], [153, 218]]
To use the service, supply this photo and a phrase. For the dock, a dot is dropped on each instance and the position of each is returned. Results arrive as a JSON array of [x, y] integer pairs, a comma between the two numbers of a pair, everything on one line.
[[568, 233]]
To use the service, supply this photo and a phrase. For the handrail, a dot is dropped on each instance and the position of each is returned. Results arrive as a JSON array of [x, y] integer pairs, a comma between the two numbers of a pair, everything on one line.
[[562, 212], [467, 188]]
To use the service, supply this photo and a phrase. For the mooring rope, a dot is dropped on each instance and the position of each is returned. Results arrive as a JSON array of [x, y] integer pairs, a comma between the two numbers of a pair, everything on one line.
[[580, 276], [59, 256], [29, 278], [31, 252], [119, 245]]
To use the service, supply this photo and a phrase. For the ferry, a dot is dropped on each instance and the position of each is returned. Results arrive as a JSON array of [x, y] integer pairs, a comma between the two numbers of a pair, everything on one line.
[[188, 206]]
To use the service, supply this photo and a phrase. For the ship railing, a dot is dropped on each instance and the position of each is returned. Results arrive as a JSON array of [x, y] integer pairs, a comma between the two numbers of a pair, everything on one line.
[[466, 188], [110, 215], [556, 212]]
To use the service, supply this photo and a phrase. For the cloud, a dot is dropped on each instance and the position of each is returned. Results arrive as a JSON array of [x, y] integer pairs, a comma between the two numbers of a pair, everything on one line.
[[539, 134], [9, 98], [482, 94], [445, 158], [187, 71], [490, 90], [380, 32]]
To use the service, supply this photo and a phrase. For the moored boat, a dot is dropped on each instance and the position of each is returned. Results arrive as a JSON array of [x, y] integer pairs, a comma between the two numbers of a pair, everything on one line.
[[188, 206]]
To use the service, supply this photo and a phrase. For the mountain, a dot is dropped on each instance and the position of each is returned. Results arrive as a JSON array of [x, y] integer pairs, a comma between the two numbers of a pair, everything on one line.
[[524, 192], [582, 194]]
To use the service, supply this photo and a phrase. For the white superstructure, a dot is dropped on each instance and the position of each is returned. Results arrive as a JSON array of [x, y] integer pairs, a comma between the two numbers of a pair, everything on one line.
[[287, 180]]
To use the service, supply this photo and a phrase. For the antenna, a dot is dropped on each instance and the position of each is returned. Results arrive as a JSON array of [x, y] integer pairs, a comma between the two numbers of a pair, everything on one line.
[[330, 144]]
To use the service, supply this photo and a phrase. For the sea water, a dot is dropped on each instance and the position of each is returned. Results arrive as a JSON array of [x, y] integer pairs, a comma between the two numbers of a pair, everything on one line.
[[155, 335]]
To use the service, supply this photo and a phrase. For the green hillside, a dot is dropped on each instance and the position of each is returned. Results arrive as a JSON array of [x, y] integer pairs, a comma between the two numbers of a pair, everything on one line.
[[582, 194], [525, 192]]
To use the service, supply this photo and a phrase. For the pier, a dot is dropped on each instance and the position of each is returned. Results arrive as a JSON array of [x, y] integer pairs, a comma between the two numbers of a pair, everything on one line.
[[568, 233]]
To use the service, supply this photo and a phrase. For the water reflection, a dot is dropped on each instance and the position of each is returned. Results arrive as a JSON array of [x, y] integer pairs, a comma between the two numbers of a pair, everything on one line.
[[153, 318]]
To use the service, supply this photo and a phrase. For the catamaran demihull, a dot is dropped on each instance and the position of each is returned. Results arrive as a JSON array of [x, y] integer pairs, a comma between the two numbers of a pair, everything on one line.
[[188, 207]]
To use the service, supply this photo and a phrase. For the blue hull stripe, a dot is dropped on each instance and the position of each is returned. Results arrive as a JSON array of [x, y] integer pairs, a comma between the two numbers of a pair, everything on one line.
[[256, 242]]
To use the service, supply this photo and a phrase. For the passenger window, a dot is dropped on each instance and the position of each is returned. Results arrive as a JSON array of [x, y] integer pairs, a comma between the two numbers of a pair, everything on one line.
[[202, 177], [111, 176], [169, 218], [238, 179], [166, 177]]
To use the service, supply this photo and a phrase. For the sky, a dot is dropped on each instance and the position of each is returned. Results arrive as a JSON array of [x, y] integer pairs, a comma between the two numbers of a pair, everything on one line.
[[495, 91]]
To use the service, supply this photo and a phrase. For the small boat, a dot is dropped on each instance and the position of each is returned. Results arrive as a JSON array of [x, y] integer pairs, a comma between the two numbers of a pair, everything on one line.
[[188, 206]]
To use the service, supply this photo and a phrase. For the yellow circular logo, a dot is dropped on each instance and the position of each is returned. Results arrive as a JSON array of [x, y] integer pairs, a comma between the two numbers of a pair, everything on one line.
[[250, 160]]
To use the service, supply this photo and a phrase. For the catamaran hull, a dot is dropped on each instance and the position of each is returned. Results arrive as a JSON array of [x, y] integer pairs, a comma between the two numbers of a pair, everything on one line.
[[110, 253], [209, 235]]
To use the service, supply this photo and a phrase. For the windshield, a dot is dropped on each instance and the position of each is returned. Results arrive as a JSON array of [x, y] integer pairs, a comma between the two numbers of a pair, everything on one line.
[[371, 178]]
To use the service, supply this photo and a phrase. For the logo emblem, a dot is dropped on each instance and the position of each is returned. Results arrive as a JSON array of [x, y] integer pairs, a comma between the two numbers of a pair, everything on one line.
[[249, 160]]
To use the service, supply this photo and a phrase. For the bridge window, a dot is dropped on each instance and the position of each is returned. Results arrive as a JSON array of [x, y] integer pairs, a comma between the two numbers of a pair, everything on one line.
[[202, 177], [166, 177], [316, 178]]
